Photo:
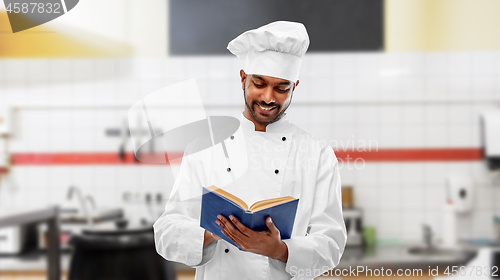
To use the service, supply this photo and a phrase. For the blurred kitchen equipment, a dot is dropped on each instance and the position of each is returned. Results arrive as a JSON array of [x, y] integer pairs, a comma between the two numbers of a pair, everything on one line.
[[460, 191], [81, 201], [449, 225], [369, 236], [491, 140], [427, 235], [347, 197], [496, 219], [354, 224], [18, 239], [120, 254]]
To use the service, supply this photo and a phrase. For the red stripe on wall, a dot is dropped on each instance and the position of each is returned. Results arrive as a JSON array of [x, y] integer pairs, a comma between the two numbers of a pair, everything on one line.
[[431, 154], [381, 155]]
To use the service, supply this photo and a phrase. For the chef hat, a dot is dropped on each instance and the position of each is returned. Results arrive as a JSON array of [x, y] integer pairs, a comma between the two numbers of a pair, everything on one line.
[[275, 49]]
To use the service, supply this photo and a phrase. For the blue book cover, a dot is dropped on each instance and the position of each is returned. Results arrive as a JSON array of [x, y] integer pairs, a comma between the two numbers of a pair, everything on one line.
[[216, 201]]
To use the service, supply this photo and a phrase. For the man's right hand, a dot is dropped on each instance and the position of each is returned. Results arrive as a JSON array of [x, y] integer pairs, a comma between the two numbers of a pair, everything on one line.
[[209, 237]]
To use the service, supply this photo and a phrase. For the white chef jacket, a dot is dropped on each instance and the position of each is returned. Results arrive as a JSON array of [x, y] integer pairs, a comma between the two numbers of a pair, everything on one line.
[[256, 165]]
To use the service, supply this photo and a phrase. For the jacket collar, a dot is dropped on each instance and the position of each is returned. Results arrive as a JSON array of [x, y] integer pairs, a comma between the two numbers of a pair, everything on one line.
[[278, 126]]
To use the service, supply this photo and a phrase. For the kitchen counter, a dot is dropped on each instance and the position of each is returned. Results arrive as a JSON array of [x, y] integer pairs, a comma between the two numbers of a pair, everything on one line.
[[400, 257], [49, 215]]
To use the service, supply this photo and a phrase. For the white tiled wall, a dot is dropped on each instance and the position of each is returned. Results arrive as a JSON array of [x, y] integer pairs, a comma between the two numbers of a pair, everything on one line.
[[398, 100]]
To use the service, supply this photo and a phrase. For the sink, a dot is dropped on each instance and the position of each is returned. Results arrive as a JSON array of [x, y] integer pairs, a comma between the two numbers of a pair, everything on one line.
[[440, 252]]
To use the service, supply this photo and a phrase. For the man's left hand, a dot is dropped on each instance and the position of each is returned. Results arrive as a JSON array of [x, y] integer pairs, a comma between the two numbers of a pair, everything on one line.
[[267, 243]]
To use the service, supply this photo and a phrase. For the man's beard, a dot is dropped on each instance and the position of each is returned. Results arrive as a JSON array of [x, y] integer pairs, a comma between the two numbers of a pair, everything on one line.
[[257, 117]]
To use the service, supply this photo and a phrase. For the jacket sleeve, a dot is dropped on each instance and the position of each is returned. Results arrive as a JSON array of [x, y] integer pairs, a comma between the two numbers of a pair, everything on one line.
[[178, 235], [322, 248]]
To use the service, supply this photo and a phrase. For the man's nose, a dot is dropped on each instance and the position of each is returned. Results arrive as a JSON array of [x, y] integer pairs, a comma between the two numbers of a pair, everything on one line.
[[268, 95]]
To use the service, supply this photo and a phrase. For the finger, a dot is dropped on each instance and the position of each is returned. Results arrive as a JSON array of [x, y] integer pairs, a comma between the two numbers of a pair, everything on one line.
[[229, 228], [231, 236], [243, 229], [271, 226]]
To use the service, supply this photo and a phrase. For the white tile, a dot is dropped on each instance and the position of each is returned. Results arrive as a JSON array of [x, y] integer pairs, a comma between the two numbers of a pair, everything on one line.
[[482, 224], [347, 176], [460, 63], [38, 71], [434, 197], [436, 136], [460, 135], [460, 86], [344, 89], [460, 114], [321, 65], [390, 225], [367, 64], [367, 115], [60, 140], [366, 88], [17, 70], [60, 94], [436, 87], [413, 136], [60, 178], [60, 70], [413, 198], [390, 88], [436, 114], [37, 94], [435, 63], [83, 177], [435, 173], [413, 114], [412, 175], [343, 65], [344, 115], [84, 93], [483, 63], [413, 87], [389, 198], [367, 175], [366, 198], [484, 198], [390, 136], [367, 138], [390, 175], [105, 177], [38, 178], [60, 119], [371, 218], [412, 225], [39, 140], [414, 62], [390, 114], [483, 87]]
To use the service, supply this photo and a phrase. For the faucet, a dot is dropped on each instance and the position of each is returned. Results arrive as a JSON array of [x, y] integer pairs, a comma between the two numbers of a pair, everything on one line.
[[427, 234], [81, 201]]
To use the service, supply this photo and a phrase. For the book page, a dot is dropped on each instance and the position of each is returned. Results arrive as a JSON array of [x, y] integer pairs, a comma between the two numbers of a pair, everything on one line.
[[263, 204], [229, 196]]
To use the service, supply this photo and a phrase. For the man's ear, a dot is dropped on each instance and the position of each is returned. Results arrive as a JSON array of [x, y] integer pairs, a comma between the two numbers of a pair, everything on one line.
[[296, 84], [243, 76]]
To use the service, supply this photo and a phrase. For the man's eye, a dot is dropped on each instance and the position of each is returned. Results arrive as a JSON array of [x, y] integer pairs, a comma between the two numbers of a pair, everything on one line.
[[259, 85], [281, 90]]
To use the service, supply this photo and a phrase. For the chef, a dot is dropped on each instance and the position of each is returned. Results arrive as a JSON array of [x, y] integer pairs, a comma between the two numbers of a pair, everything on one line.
[[266, 157]]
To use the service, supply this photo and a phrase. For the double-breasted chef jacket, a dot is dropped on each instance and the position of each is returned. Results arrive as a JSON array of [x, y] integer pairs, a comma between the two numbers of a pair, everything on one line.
[[283, 161]]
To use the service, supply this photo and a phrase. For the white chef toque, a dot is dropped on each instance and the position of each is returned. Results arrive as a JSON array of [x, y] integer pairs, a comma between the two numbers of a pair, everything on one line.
[[274, 50]]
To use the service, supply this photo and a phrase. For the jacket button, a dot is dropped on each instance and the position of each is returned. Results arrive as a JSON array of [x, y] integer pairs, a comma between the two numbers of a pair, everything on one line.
[[284, 138], [228, 169], [227, 250], [232, 137], [276, 171]]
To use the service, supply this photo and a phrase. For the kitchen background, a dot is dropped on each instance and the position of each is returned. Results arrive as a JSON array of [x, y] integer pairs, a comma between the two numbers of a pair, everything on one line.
[[407, 116]]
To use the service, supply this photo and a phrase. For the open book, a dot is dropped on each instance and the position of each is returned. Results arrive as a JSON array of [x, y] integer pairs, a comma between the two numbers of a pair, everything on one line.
[[216, 201]]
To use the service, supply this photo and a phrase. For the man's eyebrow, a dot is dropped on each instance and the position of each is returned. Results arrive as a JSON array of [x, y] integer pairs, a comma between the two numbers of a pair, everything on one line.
[[286, 83]]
